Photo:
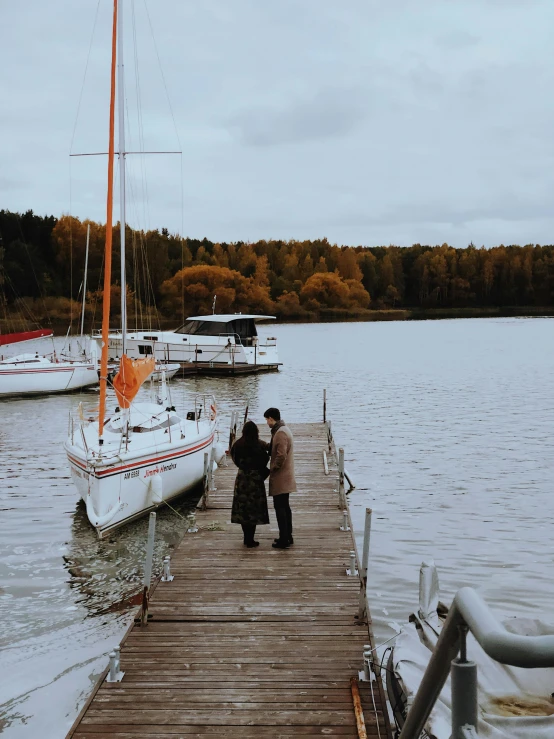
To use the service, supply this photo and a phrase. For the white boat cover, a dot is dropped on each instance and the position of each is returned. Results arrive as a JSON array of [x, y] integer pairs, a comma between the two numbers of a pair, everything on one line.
[[514, 703]]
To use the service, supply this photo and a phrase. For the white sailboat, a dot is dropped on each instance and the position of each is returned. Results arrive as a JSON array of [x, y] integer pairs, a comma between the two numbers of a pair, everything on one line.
[[145, 453], [31, 373]]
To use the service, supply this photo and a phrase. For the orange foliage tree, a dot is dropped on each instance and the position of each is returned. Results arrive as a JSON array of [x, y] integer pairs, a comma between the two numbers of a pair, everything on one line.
[[198, 285], [329, 290]]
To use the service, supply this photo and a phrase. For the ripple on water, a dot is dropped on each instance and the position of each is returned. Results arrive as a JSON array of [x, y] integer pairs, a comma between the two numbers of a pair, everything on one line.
[[446, 428]]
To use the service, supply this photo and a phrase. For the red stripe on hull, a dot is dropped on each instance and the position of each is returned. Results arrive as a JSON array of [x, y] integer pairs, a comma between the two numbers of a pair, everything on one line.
[[37, 372], [145, 463]]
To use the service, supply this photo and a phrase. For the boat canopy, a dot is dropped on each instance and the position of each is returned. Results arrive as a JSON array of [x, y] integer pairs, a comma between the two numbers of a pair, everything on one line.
[[128, 381], [242, 325], [227, 317], [25, 336]]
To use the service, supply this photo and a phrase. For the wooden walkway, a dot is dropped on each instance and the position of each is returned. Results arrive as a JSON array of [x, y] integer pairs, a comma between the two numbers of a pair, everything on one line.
[[249, 642]]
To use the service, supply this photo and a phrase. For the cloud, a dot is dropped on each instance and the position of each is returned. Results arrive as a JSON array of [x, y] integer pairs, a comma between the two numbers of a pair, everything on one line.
[[457, 39], [369, 122], [330, 113]]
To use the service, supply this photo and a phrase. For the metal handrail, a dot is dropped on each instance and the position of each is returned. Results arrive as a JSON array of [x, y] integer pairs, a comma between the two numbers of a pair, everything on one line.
[[470, 612]]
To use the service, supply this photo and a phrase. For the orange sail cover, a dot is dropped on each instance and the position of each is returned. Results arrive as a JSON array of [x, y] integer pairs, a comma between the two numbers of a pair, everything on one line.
[[128, 381]]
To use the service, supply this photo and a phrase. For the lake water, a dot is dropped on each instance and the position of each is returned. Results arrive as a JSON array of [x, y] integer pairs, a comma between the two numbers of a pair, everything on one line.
[[448, 431]]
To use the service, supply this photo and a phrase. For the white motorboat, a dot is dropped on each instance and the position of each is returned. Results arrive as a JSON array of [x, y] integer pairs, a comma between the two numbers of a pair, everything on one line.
[[27, 374], [145, 453], [219, 340], [514, 702]]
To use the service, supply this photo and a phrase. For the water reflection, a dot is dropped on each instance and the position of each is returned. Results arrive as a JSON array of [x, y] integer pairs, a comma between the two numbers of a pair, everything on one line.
[[107, 573]]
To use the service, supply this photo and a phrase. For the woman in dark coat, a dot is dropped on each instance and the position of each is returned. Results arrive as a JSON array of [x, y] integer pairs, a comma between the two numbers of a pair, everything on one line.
[[251, 455]]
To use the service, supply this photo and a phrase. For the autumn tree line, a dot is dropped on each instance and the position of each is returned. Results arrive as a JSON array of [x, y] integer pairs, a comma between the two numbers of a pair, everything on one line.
[[42, 265]]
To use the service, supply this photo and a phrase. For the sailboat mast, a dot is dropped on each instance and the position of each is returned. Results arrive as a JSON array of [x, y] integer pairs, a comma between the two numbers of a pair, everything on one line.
[[85, 283], [122, 221], [109, 233]]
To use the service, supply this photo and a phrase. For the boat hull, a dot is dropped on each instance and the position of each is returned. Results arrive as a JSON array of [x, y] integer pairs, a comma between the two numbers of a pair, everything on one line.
[[196, 350], [15, 380], [117, 493]]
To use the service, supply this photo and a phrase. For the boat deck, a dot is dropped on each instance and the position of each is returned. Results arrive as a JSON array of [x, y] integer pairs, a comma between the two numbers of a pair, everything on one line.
[[249, 642], [214, 369]]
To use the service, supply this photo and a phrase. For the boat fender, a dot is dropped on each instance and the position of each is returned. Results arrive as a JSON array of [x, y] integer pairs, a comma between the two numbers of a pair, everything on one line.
[[101, 521], [219, 451], [155, 488], [429, 590]]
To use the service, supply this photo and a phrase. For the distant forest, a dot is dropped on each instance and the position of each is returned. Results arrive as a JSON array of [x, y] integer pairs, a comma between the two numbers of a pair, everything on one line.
[[42, 262]]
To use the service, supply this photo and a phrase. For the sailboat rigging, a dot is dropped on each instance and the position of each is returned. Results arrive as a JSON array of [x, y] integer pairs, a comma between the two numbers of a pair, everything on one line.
[[145, 453]]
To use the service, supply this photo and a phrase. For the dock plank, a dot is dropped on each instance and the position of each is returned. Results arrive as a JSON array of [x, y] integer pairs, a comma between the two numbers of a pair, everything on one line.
[[249, 642]]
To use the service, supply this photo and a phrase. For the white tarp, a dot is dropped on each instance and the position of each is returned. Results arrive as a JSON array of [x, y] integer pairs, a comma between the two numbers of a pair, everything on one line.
[[514, 703]]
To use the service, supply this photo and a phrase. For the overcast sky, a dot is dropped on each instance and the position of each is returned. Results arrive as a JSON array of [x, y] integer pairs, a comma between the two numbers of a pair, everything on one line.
[[365, 121]]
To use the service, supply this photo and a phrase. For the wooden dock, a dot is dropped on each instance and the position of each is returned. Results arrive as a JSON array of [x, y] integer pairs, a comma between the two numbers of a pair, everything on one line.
[[249, 642]]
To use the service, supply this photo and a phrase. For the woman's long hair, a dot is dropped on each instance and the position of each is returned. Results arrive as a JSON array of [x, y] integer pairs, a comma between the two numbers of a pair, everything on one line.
[[250, 437], [250, 433]]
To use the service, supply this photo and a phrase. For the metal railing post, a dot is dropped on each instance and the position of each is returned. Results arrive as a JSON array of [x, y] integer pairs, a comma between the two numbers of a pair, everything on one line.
[[324, 405], [148, 569], [463, 682]]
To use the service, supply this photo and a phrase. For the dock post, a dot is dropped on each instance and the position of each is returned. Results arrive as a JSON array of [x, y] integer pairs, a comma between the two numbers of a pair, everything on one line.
[[148, 569], [352, 570], [167, 576], [114, 675], [342, 497], [191, 523], [231, 433], [325, 463], [345, 526], [362, 611], [364, 675], [324, 405]]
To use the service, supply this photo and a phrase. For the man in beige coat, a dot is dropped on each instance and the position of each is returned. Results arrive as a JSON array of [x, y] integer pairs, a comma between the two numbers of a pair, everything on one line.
[[281, 475]]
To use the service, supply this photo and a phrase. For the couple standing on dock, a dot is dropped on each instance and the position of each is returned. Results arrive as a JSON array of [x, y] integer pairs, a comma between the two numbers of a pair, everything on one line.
[[251, 455]]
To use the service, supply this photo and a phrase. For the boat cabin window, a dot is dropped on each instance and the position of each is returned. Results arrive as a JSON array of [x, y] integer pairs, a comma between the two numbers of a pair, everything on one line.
[[244, 328], [144, 349]]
